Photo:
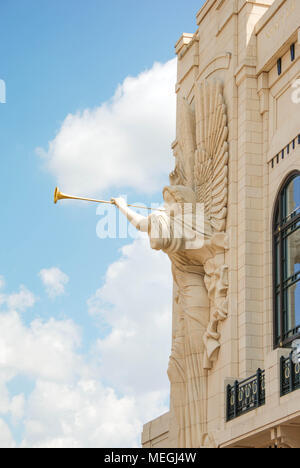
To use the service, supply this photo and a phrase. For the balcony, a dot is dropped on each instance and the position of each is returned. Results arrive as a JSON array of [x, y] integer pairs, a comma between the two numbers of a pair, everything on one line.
[[245, 396], [289, 376]]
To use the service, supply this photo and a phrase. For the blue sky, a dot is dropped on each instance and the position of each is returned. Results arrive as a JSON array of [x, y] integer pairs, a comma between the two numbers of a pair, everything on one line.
[[61, 57]]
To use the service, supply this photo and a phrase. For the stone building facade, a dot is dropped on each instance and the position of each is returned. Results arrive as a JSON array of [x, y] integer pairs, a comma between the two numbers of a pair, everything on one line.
[[253, 389]]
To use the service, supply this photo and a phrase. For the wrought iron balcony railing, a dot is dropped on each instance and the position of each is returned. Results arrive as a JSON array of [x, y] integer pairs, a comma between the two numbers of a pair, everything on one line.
[[245, 396], [289, 375]]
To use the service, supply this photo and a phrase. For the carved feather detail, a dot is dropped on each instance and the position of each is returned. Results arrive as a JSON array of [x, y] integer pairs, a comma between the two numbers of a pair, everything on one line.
[[201, 150], [211, 157]]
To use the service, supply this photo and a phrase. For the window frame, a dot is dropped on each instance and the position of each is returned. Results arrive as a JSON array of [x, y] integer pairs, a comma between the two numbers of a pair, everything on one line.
[[279, 337]]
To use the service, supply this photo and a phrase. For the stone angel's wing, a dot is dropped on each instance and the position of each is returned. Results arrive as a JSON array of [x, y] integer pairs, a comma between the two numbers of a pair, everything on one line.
[[211, 158], [184, 146]]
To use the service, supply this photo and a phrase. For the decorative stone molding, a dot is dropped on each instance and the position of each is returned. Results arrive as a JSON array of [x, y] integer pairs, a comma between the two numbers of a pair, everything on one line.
[[263, 92], [194, 64], [187, 43], [244, 71], [221, 62]]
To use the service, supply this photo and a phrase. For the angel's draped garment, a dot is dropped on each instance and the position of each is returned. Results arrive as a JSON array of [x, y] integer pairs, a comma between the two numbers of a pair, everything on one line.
[[185, 371]]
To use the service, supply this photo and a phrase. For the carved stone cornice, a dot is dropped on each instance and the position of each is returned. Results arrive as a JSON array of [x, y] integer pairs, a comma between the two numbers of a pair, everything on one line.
[[184, 44], [226, 18], [205, 9], [274, 7], [182, 47], [246, 70], [238, 5]]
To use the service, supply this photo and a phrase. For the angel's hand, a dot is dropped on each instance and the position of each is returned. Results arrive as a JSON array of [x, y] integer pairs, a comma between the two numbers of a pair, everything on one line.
[[119, 202]]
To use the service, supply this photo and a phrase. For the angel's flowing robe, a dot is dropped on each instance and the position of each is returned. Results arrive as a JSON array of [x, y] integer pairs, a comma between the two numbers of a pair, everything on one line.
[[186, 371]]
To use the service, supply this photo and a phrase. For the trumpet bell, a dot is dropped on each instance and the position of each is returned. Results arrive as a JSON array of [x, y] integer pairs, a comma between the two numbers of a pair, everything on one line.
[[57, 195]]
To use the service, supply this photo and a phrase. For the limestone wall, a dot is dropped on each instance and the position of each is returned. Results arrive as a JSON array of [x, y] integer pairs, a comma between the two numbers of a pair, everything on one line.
[[239, 42]]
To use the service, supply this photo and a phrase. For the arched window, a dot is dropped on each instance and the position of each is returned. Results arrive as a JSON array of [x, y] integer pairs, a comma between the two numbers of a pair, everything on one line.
[[286, 237]]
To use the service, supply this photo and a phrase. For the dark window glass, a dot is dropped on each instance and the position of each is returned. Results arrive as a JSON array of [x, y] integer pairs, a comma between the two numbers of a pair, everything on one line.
[[292, 52], [278, 318], [277, 263], [287, 263]]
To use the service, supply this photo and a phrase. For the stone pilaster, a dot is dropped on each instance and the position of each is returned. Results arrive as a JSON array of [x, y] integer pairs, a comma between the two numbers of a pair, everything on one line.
[[250, 222]]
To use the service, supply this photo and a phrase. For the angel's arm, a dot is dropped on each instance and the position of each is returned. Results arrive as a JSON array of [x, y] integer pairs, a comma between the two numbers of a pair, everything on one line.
[[138, 221]]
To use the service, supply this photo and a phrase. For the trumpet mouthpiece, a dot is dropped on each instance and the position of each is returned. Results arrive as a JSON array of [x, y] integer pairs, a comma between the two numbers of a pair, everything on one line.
[[56, 195]]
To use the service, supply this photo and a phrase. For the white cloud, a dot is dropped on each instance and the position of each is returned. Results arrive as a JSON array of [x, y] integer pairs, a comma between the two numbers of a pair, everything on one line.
[[136, 302], [6, 439], [41, 350], [123, 143], [85, 415], [17, 408], [103, 397], [54, 281], [20, 301]]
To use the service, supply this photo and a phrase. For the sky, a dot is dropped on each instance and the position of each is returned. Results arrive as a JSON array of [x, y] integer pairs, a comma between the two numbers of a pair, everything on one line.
[[85, 319]]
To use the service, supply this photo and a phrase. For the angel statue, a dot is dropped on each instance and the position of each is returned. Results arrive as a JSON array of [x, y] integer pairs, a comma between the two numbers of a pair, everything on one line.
[[197, 253]]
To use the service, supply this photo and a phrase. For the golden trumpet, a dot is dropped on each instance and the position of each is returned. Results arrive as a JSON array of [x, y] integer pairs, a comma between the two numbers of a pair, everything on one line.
[[58, 195]]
